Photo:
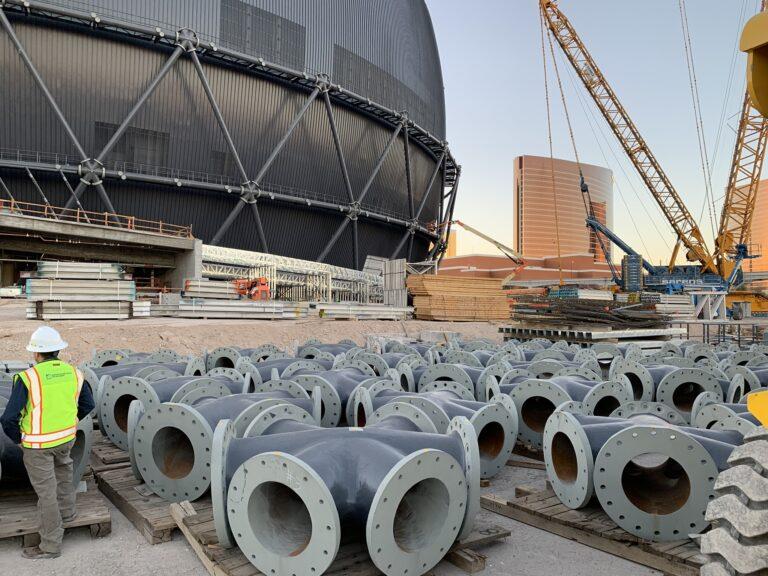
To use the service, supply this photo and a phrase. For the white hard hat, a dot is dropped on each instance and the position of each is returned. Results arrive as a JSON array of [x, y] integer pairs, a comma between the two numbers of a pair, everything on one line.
[[46, 339]]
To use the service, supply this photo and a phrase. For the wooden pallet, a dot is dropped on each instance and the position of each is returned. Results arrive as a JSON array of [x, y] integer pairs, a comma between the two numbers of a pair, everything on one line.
[[196, 523], [149, 513], [591, 526], [105, 455], [18, 514]]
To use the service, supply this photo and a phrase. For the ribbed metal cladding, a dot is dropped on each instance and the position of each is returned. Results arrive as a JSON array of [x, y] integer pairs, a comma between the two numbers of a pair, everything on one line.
[[381, 49]]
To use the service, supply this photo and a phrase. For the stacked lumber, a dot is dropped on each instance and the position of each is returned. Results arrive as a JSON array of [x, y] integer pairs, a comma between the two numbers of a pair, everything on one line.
[[453, 298], [79, 291]]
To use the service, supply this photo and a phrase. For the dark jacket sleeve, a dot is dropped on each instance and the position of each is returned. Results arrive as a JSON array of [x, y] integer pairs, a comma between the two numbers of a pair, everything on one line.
[[11, 418], [85, 403]]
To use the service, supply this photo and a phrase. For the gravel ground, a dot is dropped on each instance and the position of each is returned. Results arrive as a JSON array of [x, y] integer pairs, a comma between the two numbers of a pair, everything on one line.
[[528, 551]]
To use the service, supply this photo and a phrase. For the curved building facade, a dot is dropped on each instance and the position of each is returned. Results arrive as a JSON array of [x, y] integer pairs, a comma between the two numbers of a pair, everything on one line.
[[305, 128]]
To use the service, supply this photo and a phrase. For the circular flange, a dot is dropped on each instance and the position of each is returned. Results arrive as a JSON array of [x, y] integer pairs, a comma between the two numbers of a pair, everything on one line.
[[736, 424], [680, 388], [440, 483], [263, 352], [222, 357], [679, 362], [249, 509], [294, 367], [579, 371], [172, 447], [493, 372], [568, 459], [108, 357], [370, 383], [362, 402], [709, 415], [135, 412], [376, 362], [561, 345], [545, 368], [703, 399], [606, 396], [204, 391], [446, 372], [492, 390], [606, 352], [698, 351], [515, 376], [744, 357], [639, 377], [379, 384], [162, 355], [456, 388], [281, 385], [364, 368], [230, 373], [496, 426], [675, 521], [550, 354], [435, 413], [403, 374], [735, 390], [114, 402], [633, 352], [313, 353], [222, 436], [750, 380], [462, 357], [191, 385], [194, 367], [474, 345], [247, 416], [510, 355], [535, 401], [641, 407], [584, 354], [465, 432], [593, 365], [275, 414], [329, 396], [403, 410]]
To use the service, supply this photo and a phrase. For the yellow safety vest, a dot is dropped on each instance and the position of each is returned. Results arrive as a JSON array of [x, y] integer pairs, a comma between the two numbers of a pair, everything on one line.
[[50, 416]]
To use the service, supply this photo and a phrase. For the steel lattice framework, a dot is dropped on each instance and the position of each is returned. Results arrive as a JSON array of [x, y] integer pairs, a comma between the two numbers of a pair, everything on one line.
[[93, 172]]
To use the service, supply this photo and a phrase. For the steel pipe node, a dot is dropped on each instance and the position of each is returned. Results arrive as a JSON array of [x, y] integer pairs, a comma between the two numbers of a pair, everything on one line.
[[580, 371], [607, 396], [680, 388], [641, 407], [455, 387], [494, 373], [269, 416], [446, 372], [407, 410], [535, 401], [264, 352], [462, 357], [550, 354], [543, 369]]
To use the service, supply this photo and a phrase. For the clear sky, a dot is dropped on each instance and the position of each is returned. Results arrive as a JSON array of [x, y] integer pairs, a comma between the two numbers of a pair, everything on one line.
[[494, 89]]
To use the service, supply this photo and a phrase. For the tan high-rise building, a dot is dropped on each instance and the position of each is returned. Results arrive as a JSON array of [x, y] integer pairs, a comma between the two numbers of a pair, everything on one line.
[[535, 232], [759, 234]]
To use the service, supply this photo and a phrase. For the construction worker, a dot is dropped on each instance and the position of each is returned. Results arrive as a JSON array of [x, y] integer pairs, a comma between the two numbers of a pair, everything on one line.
[[46, 403]]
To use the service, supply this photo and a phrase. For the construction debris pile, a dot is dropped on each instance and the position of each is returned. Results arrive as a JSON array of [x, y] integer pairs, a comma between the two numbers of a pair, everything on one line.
[[79, 291], [455, 299], [563, 312]]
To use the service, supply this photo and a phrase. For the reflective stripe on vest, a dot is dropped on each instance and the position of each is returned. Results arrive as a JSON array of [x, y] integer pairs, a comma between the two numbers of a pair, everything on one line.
[[50, 417]]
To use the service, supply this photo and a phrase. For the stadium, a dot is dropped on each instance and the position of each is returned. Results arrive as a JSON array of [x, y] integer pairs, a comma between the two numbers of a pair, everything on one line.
[[298, 128]]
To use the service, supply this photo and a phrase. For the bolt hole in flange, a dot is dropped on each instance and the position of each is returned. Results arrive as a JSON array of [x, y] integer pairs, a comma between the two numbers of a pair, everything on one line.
[[420, 515], [656, 484], [280, 519], [491, 440], [684, 395], [535, 411], [120, 411], [173, 452], [564, 458]]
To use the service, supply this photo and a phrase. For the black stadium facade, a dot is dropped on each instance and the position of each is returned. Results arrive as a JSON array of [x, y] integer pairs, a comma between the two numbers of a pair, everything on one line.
[[306, 128]]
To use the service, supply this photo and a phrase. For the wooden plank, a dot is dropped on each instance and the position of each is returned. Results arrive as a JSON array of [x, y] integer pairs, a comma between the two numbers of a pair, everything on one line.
[[149, 513], [19, 517], [592, 527]]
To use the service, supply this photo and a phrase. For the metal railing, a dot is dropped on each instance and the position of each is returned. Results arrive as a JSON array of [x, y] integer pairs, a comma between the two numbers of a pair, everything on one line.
[[106, 219]]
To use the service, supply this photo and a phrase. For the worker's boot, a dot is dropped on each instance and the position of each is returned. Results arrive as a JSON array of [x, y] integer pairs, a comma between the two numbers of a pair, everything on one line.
[[35, 553]]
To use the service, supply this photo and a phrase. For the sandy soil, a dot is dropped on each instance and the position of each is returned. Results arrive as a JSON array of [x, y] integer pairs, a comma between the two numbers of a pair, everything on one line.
[[193, 336]]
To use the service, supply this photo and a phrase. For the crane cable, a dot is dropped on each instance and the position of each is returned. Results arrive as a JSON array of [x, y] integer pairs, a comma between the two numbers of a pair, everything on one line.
[[551, 151], [709, 199], [588, 208]]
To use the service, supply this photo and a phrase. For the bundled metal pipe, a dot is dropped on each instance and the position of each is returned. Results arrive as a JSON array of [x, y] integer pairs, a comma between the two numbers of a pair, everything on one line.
[[494, 423], [289, 495], [171, 442]]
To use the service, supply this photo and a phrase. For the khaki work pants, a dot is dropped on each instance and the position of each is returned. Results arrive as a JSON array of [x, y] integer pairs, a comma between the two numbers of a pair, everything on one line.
[[50, 473]]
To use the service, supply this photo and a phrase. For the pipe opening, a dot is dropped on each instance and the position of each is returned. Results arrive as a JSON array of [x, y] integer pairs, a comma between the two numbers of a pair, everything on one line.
[[546, 375], [223, 362], [535, 411], [120, 411], [710, 424], [656, 483], [685, 394], [173, 453], [606, 405], [421, 514], [564, 458], [404, 382], [109, 363], [361, 416], [280, 519], [637, 385], [491, 440]]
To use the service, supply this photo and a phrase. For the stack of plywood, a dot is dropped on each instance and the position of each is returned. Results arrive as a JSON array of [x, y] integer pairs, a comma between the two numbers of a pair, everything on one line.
[[453, 298]]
